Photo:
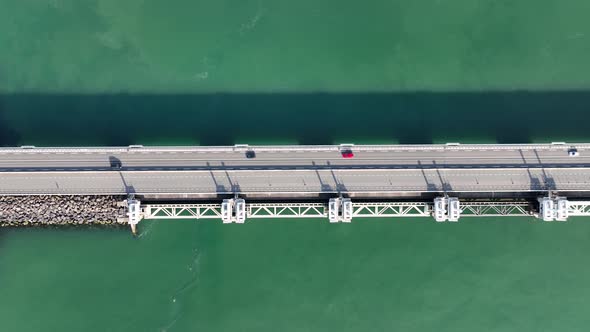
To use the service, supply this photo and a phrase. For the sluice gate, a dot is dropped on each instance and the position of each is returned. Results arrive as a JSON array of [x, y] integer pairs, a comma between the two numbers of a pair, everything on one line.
[[337, 210]]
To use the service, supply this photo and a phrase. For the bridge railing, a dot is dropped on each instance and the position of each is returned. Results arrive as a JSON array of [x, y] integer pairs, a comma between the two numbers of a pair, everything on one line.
[[279, 148]]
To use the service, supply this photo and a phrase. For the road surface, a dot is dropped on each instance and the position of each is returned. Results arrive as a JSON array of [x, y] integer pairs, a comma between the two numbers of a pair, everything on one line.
[[293, 157], [296, 181], [222, 170]]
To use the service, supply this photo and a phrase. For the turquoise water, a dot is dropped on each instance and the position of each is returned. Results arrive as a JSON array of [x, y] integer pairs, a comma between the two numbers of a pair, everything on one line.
[[107, 72], [255, 71], [481, 274], [261, 46]]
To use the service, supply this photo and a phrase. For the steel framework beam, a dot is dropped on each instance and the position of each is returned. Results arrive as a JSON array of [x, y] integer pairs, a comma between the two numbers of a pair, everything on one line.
[[392, 209], [495, 209], [360, 210], [287, 210], [182, 211], [579, 208]]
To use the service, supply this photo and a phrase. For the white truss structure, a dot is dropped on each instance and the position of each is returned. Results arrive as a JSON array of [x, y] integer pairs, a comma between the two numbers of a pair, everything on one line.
[[579, 208], [287, 210], [182, 211], [494, 209], [393, 209], [359, 210]]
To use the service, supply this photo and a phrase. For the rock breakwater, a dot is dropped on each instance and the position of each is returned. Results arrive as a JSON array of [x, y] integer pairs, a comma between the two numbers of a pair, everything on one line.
[[60, 210]]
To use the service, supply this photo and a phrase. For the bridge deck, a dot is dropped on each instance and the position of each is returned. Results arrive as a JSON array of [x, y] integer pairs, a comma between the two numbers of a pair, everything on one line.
[[294, 169], [282, 157], [296, 181]]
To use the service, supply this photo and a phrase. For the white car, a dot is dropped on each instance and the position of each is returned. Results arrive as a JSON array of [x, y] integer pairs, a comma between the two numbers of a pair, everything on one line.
[[573, 152]]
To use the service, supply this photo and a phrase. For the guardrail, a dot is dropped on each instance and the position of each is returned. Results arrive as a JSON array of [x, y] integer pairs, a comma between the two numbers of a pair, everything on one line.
[[317, 148]]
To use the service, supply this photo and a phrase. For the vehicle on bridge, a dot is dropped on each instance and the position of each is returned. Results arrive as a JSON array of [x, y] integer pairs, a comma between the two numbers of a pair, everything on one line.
[[250, 154], [115, 162], [573, 152], [347, 154]]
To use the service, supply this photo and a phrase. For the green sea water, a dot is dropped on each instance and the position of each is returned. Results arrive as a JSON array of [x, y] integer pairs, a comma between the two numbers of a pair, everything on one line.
[[262, 46], [506, 274], [313, 72], [108, 72]]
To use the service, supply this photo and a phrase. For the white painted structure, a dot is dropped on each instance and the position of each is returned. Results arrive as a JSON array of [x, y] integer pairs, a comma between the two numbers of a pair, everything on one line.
[[134, 214], [446, 209], [344, 209], [556, 208], [334, 210]]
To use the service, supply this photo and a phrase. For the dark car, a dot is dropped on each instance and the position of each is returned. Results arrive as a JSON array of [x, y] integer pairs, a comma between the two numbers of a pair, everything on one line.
[[573, 152], [115, 162], [250, 154]]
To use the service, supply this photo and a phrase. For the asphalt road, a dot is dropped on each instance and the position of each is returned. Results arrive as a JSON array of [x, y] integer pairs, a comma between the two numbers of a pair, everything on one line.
[[295, 181], [268, 158], [374, 169]]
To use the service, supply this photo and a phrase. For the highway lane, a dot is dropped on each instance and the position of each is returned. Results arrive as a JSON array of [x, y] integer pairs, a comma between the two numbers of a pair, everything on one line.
[[296, 181], [294, 169], [195, 158]]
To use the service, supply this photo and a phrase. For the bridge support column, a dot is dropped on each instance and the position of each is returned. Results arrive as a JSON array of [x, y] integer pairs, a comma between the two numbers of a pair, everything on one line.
[[240, 210], [440, 209], [227, 207], [562, 209], [133, 214], [233, 210], [553, 208], [340, 210], [346, 210], [454, 209], [334, 210], [446, 209]]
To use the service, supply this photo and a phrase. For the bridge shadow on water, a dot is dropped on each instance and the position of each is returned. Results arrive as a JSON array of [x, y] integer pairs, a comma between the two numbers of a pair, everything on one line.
[[305, 118]]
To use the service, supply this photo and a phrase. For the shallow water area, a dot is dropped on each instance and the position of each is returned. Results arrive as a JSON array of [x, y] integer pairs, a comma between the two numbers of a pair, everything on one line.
[[211, 72], [299, 275]]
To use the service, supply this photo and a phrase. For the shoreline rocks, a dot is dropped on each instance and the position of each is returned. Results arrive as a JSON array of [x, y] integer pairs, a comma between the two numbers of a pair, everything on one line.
[[31, 211]]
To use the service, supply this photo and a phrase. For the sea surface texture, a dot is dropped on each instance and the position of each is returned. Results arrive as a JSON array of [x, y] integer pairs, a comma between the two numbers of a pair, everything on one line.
[[214, 72]]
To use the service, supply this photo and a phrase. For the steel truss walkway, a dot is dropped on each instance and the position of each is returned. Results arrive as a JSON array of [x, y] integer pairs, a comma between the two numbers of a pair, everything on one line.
[[344, 210]]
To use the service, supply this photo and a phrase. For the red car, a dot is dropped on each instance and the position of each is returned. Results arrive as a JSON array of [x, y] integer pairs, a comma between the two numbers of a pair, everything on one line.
[[347, 154]]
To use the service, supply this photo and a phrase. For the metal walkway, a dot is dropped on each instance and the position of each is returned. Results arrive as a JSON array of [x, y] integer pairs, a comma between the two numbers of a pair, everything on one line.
[[337, 210], [359, 210]]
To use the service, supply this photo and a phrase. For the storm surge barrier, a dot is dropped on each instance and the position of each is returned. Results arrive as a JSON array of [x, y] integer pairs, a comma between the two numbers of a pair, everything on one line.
[[344, 210], [235, 184]]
